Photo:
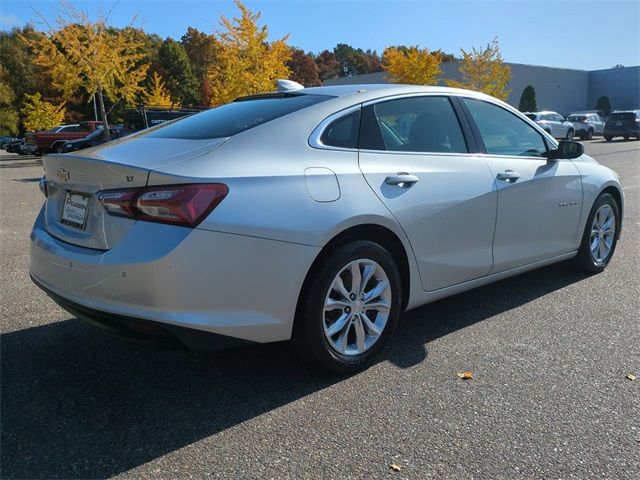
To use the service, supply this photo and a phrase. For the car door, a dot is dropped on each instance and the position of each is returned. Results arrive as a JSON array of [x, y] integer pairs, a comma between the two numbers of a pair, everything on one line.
[[539, 201], [415, 157]]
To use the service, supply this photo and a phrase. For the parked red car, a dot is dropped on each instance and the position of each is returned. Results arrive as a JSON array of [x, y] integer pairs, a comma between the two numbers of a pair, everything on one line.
[[54, 139]]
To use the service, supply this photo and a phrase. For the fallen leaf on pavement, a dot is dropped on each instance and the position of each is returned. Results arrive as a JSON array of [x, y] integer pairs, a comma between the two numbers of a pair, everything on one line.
[[468, 375], [394, 467], [631, 377]]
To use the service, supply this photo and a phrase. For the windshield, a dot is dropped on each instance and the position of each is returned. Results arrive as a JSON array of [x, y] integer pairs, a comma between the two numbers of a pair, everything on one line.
[[232, 118]]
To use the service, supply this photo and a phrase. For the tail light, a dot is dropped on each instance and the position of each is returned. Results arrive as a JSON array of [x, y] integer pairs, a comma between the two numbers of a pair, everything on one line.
[[185, 205]]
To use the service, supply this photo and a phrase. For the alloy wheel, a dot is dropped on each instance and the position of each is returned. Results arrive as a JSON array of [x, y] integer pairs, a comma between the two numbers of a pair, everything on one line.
[[357, 307], [603, 230]]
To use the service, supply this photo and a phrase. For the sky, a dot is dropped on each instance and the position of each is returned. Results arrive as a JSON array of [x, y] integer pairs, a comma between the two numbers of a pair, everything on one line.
[[580, 34]]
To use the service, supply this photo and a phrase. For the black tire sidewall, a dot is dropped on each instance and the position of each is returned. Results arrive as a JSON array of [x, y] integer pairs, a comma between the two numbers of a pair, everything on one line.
[[309, 337], [584, 258]]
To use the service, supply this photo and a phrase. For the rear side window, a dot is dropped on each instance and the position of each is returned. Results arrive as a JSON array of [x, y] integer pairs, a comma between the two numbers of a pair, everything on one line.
[[417, 124], [532, 116], [503, 133], [577, 118], [232, 118], [342, 132]]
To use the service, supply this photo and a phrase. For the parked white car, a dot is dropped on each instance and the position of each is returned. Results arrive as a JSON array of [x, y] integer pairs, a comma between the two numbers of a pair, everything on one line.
[[586, 125], [553, 123]]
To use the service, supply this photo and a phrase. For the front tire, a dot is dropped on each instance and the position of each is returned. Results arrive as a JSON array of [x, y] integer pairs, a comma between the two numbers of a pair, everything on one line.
[[600, 235], [570, 134], [608, 138], [349, 308]]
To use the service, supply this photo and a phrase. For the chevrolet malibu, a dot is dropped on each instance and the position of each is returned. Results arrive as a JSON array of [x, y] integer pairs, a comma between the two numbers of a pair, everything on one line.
[[315, 215]]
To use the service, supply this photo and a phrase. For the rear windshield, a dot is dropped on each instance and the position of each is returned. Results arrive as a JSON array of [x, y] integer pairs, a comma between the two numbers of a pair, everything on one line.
[[623, 116], [576, 118], [532, 116], [232, 118]]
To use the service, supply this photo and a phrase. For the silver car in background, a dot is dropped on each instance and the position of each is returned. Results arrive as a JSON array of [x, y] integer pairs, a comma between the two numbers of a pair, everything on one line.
[[315, 215], [553, 123], [586, 125]]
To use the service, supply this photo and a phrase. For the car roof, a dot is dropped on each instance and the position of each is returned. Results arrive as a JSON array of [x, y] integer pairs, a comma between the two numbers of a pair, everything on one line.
[[376, 90]]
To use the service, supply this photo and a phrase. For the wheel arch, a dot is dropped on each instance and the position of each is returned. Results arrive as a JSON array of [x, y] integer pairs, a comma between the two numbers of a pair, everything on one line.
[[368, 231], [617, 195]]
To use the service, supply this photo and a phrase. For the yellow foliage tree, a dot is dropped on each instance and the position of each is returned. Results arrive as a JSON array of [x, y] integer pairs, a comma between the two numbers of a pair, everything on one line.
[[157, 94], [8, 114], [246, 62], [83, 54], [484, 71], [39, 114], [412, 65]]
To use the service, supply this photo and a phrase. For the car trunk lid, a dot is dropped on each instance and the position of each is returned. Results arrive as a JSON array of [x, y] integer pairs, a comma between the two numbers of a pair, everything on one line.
[[72, 212]]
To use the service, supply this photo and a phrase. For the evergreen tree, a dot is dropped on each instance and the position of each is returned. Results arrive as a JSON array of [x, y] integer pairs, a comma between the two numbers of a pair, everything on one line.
[[177, 75], [528, 100], [604, 105]]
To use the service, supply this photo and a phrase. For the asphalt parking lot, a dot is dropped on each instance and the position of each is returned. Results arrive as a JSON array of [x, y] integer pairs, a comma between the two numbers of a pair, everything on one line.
[[550, 351]]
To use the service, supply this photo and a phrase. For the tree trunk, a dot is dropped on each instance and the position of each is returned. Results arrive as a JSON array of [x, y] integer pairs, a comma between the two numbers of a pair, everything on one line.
[[103, 115]]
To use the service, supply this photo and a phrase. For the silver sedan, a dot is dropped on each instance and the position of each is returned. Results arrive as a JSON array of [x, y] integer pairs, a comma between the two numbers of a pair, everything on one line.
[[315, 215]]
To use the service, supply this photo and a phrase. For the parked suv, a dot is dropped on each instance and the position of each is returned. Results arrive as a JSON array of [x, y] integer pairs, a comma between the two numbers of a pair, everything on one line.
[[553, 123], [623, 124], [586, 125]]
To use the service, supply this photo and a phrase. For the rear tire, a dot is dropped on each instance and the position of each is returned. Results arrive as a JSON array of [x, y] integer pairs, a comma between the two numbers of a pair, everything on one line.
[[626, 137], [608, 138], [334, 329], [600, 235], [590, 134]]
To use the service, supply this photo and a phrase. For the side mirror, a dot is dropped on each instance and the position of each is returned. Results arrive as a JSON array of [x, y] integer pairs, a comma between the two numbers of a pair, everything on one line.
[[567, 150]]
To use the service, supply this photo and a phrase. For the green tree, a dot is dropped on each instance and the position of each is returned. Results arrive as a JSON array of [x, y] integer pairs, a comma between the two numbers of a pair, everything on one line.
[[528, 101], [483, 70], [38, 114], [604, 105], [202, 50], [412, 65], [355, 61], [247, 63], [179, 79]]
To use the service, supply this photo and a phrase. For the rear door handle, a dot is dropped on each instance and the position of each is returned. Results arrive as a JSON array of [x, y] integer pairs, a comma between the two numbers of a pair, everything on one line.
[[509, 176], [402, 179]]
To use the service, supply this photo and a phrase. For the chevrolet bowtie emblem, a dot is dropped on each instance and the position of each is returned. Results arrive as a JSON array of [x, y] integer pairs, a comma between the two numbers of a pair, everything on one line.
[[62, 174]]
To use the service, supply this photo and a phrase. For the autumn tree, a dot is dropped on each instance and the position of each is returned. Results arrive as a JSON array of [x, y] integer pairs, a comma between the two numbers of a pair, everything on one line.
[[202, 50], [328, 65], [412, 65], [38, 114], [303, 68], [8, 113], [83, 54], [156, 93], [528, 101], [483, 70], [247, 63]]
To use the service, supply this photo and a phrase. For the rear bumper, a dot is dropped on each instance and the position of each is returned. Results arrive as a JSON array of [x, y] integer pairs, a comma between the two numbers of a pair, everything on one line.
[[232, 285], [622, 132]]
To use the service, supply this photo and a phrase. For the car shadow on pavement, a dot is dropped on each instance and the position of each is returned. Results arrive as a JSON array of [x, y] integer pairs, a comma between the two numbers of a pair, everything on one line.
[[79, 404]]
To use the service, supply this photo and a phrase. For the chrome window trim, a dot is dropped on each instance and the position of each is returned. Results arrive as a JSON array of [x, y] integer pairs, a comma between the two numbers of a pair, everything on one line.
[[316, 135]]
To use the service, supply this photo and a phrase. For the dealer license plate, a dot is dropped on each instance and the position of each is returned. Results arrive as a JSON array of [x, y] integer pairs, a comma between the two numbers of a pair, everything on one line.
[[74, 211]]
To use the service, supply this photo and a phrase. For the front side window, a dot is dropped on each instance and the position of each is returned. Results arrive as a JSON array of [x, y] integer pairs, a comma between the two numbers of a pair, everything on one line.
[[503, 133], [417, 124]]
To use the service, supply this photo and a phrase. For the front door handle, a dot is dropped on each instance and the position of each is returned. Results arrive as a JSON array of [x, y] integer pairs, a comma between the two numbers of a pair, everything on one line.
[[402, 179], [509, 176]]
